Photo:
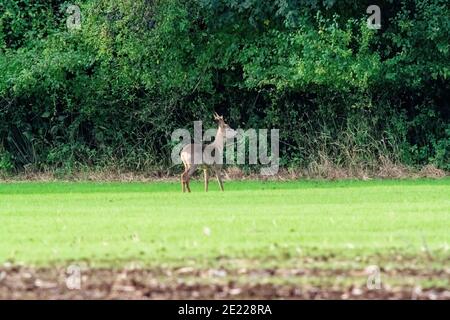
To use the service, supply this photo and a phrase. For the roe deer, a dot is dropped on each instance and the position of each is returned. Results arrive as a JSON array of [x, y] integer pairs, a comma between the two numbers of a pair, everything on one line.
[[195, 150]]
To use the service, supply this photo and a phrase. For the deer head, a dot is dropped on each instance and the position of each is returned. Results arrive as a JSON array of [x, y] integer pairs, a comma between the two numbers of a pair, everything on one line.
[[229, 133]]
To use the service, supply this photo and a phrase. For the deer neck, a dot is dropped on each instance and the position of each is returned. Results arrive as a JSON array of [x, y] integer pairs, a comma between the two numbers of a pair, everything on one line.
[[218, 141]]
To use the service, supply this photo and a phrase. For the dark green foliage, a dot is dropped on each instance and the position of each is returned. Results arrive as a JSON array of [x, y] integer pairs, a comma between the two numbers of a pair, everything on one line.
[[111, 93]]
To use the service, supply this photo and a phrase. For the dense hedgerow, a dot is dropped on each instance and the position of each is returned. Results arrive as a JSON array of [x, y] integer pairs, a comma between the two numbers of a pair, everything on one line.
[[111, 93]]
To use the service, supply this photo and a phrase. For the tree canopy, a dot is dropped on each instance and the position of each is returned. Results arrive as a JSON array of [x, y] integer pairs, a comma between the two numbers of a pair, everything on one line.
[[111, 92]]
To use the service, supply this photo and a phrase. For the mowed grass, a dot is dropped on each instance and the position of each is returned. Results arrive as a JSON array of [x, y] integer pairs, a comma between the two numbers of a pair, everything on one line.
[[154, 223]]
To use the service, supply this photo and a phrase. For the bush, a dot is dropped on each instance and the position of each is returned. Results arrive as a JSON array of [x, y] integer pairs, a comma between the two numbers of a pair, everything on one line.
[[111, 93]]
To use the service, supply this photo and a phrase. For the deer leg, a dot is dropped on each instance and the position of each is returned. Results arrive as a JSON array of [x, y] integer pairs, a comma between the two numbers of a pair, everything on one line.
[[219, 179], [189, 173], [187, 185], [205, 174], [183, 187]]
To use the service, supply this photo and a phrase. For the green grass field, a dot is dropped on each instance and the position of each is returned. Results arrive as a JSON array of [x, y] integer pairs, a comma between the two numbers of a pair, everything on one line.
[[298, 239], [154, 223]]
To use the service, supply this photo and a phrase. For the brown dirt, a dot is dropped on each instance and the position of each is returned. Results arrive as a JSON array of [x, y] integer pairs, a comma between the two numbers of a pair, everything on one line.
[[18, 282]]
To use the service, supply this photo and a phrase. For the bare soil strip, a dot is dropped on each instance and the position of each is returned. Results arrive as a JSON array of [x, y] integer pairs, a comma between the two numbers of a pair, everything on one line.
[[18, 282]]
